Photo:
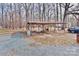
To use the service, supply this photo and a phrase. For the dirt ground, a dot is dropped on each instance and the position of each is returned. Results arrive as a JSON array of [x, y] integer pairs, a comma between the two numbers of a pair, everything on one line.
[[57, 38]]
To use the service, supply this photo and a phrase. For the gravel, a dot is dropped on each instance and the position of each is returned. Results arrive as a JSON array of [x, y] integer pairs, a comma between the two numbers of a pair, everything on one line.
[[19, 46]]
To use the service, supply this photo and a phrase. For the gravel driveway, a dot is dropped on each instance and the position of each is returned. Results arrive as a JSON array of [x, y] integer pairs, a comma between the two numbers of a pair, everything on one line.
[[17, 45]]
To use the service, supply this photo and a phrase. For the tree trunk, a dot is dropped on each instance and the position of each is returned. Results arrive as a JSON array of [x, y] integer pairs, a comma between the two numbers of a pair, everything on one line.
[[39, 12], [57, 11], [2, 10], [20, 22]]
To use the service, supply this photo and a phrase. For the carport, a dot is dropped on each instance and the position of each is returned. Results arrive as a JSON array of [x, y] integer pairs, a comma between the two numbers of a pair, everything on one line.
[[44, 25]]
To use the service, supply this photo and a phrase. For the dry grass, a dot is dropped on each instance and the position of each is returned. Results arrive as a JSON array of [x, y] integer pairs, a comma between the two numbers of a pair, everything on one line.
[[2, 31], [5, 31], [55, 39]]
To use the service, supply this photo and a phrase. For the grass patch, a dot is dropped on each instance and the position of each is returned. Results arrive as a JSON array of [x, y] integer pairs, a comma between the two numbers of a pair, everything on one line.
[[2, 31]]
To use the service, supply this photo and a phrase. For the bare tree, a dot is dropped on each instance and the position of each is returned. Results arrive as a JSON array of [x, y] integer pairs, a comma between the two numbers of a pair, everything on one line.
[[57, 11], [66, 6], [15, 21], [11, 17], [2, 12], [26, 6], [32, 11], [60, 11], [39, 11], [43, 12], [19, 12]]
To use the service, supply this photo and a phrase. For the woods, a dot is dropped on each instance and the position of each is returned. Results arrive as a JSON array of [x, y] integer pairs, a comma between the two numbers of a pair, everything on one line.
[[16, 15]]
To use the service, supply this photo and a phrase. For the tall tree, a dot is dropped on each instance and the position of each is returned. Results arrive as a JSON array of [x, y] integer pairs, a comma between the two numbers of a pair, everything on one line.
[[67, 6], [57, 13], [60, 12], [27, 6], [11, 16], [2, 12], [39, 5], [43, 12], [19, 12]]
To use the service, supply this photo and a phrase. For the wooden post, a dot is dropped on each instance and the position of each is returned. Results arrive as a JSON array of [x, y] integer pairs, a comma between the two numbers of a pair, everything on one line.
[[43, 27], [28, 30], [77, 38]]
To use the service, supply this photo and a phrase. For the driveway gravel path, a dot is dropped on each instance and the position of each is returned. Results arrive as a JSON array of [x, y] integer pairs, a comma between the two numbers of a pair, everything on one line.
[[17, 45]]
